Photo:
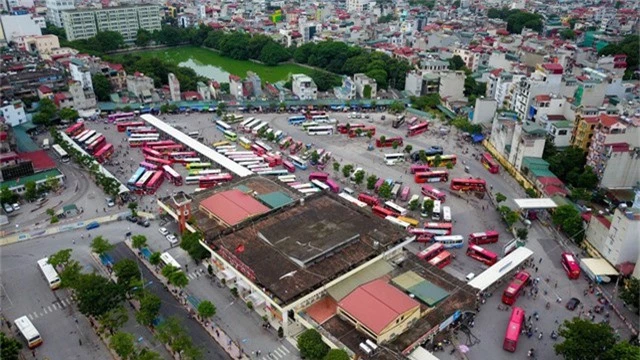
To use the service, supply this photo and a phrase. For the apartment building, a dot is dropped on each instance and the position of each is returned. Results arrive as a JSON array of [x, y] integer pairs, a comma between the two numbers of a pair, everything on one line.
[[546, 79], [79, 71], [55, 9], [235, 86], [43, 44], [174, 87], [585, 124], [347, 91], [359, 5], [516, 140], [85, 23], [418, 83], [616, 237], [362, 81], [141, 86], [304, 87], [83, 98]]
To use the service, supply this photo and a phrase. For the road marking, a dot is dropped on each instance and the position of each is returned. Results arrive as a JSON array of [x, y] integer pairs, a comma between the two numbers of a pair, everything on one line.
[[30, 317], [276, 353], [285, 349], [45, 310]]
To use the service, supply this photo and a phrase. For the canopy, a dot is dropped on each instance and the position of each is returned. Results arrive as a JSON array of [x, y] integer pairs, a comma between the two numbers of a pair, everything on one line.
[[599, 267], [534, 204], [228, 275], [256, 299]]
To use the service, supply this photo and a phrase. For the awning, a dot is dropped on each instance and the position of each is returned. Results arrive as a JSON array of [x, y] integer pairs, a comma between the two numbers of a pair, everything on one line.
[[256, 299], [242, 284], [421, 353], [599, 267], [228, 275]]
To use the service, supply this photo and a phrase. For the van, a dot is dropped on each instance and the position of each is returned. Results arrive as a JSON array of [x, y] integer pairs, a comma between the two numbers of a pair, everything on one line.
[[470, 276], [348, 191], [45, 144]]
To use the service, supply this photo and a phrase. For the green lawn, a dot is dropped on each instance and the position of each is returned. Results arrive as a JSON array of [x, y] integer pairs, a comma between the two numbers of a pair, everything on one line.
[[213, 65]]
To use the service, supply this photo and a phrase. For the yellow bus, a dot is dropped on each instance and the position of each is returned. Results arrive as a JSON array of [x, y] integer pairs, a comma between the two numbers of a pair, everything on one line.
[[221, 143], [410, 221]]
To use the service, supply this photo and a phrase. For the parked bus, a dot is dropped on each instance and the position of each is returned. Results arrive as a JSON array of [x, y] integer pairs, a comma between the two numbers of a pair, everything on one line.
[[308, 124], [273, 172], [297, 162], [431, 176], [320, 185], [515, 288], [513, 329], [481, 254], [167, 149], [489, 163], [60, 153], [418, 129], [256, 130], [135, 177], [382, 212], [486, 237], [75, 129], [176, 156], [123, 126], [378, 184], [395, 190], [140, 184], [333, 186], [320, 130], [462, 184], [140, 131], [411, 221], [200, 165], [389, 142], [442, 160], [433, 193], [104, 153], [150, 152], [412, 121], [86, 136], [96, 144], [218, 144], [284, 143], [278, 135], [245, 122], [244, 142], [28, 332], [365, 131], [194, 134], [310, 114], [441, 260], [126, 116], [368, 199], [345, 128], [90, 140], [81, 134], [430, 252], [446, 214], [437, 210], [287, 178], [404, 194], [204, 172], [192, 180], [415, 168], [450, 241], [396, 221], [398, 122], [49, 273], [230, 135], [233, 118], [321, 119], [570, 265], [439, 228], [172, 175], [157, 161], [139, 142], [154, 183], [247, 128], [257, 150], [149, 166], [392, 159], [297, 119], [289, 166], [396, 208], [155, 144], [264, 146]]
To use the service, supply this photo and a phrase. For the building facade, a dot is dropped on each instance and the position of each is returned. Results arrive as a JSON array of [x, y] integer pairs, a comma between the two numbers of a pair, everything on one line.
[[141, 86], [362, 81], [55, 9], [43, 44], [616, 237], [304, 87], [13, 113], [85, 23], [80, 72], [174, 87]]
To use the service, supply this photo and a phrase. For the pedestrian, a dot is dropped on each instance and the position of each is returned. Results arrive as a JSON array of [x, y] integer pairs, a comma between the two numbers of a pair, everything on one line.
[[33, 352], [540, 261], [74, 241], [536, 269]]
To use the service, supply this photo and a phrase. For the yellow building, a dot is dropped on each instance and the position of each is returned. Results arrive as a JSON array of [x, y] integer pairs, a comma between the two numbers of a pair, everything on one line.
[[583, 131]]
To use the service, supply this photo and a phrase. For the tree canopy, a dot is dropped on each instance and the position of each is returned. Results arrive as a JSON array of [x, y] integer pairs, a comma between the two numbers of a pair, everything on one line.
[[191, 243], [583, 339], [517, 19], [101, 87], [9, 347], [96, 295], [311, 345], [569, 220], [630, 46]]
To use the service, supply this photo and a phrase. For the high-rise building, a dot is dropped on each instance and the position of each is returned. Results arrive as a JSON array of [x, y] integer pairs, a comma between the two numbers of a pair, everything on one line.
[[85, 23], [55, 9]]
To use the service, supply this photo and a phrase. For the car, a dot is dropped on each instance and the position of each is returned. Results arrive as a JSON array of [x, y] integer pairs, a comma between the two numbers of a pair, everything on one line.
[[163, 231], [132, 218], [172, 239], [110, 202], [143, 222], [572, 304], [16, 206], [7, 208], [93, 225]]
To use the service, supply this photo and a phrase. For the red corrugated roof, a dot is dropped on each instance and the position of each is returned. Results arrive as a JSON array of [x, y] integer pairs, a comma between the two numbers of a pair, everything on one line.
[[377, 304], [233, 206], [608, 120], [40, 159]]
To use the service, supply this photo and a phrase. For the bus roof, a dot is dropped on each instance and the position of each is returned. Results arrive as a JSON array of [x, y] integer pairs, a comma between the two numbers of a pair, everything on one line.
[[500, 269], [26, 328]]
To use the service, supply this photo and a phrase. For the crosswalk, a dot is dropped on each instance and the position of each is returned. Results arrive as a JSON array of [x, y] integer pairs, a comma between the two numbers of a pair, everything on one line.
[[195, 274], [56, 306], [280, 353]]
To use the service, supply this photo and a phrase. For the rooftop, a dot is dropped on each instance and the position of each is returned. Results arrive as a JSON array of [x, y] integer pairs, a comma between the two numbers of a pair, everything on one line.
[[35, 177], [233, 206]]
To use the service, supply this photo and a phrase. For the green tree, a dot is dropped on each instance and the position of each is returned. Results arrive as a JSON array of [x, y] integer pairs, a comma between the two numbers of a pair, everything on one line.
[[358, 177], [150, 305], [7, 196], [101, 87], [68, 114], [569, 220], [154, 259], [522, 233], [567, 34], [106, 41], [366, 92], [138, 241], [311, 345], [500, 198], [60, 258], [336, 166], [206, 309], [30, 193], [114, 319], [622, 351], [143, 37], [408, 148], [100, 245], [9, 347], [336, 354], [511, 218], [191, 243], [371, 182], [315, 157], [52, 183], [133, 206], [531, 192], [178, 279], [456, 63], [427, 205], [171, 332], [630, 46], [396, 107], [578, 194], [395, 144], [346, 170], [97, 295], [168, 270], [70, 275], [414, 204], [385, 190], [630, 293], [146, 354], [583, 339], [122, 343], [127, 272], [47, 112], [273, 53]]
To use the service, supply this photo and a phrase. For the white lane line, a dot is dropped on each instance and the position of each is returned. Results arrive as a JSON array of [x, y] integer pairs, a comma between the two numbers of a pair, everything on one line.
[[285, 349], [30, 317]]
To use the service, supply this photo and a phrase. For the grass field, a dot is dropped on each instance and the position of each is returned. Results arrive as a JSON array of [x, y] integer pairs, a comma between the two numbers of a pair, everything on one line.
[[214, 66]]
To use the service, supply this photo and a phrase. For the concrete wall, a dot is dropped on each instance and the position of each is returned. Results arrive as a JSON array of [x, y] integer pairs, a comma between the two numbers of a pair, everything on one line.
[[484, 111]]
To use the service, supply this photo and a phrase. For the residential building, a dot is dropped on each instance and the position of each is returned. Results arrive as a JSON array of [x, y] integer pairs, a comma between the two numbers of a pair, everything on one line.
[[308, 30], [583, 130], [85, 23], [83, 98], [256, 83], [303, 87], [515, 140], [560, 133], [174, 87], [362, 81], [13, 113], [80, 72], [616, 237], [26, 83], [140, 86], [235, 86], [45, 92], [347, 91], [483, 111], [418, 83], [434, 65], [547, 79], [43, 44], [451, 85], [358, 6], [55, 9], [15, 26], [590, 91], [203, 90]]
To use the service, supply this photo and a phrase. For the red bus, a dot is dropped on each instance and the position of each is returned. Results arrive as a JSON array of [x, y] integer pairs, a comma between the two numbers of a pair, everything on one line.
[[481, 254], [442, 160], [154, 183], [516, 287], [96, 144], [149, 166], [155, 144], [419, 168], [488, 162], [345, 128], [441, 229], [388, 142], [168, 148], [383, 212], [312, 113], [290, 167], [418, 129], [172, 175], [570, 265], [75, 129], [212, 180], [441, 260], [257, 150], [362, 131], [462, 184], [157, 161], [431, 252], [122, 127], [104, 153], [486, 237], [284, 143], [318, 176], [368, 199], [151, 152], [433, 193], [513, 329], [431, 176], [182, 154]]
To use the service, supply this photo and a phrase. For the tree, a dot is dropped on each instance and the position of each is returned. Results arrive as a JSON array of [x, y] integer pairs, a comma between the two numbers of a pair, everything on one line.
[[578, 194], [52, 183], [414, 204], [336, 354], [138, 241], [500, 198], [143, 37], [583, 339], [396, 107], [206, 309], [122, 344], [531, 192], [358, 177], [629, 46], [371, 182], [549, 148], [191, 244], [68, 114], [47, 111], [408, 148], [346, 170], [395, 144], [154, 259], [127, 272], [273, 53], [9, 347], [311, 345], [149, 308], [366, 92], [146, 354], [30, 193], [569, 220], [567, 34], [106, 41], [315, 157], [70, 275], [522, 233], [385, 190], [427, 205], [336, 166], [178, 279], [511, 218], [100, 245], [133, 206], [630, 293], [60, 258], [97, 295], [622, 351], [168, 270], [7, 196], [456, 63], [114, 319]]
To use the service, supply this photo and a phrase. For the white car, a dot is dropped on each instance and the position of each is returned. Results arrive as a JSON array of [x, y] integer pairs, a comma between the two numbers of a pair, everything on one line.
[[163, 231], [172, 239], [16, 206]]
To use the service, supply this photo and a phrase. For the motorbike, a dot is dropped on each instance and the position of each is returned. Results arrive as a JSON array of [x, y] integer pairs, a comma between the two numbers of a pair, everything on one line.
[[554, 335], [530, 353]]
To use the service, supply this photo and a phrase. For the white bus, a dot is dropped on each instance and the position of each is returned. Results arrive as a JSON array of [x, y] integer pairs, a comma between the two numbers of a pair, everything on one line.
[[302, 186], [287, 178], [392, 159], [450, 241], [62, 155], [297, 162], [446, 213], [311, 190], [351, 199], [257, 129], [397, 222], [320, 119], [320, 130], [82, 134], [192, 180], [250, 125], [319, 184], [45, 143], [49, 273], [86, 136], [245, 122], [395, 207], [435, 214], [28, 331], [277, 135]]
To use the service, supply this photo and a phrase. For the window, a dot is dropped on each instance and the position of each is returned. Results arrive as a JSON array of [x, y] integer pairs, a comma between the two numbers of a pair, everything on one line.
[[562, 132]]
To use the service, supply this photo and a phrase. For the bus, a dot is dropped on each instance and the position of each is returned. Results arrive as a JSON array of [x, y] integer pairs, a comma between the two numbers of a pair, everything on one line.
[[433, 193], [333, 186], [436, 212], [204, 172], [418, 129], [442, 160], [287, 178], [489, 163], [378, 184], [396, 221], [441, 260], [179, 155], [513, 329], [233, 118], [404, 194], [462, 184], [123, 126], [155, 144], [412, 121], [194, 134], [245, 122], [104, 153], [172, 175], [345, 128], [139, 142], [382, 212], [200, 165], [416, 168], [49, 272], [256, 125], [217, 144], [150, 152], [247, 128], [75, 129], [481, 254], [257, 150], [297, 162], [515, 288], [90, 140], [297, 119], [311, 113], [273, 172], [289, 166], [157, 161], [439, 228], [154, 183], [318, 176], [140, 184], [231, 154], [431, 176], [135, 177], [139, 130], [320, 185], [570, 265], [388, 142], [362, 132], [320, 119], [28, 332], [230, 135], [411, 221], [395, 190], [166, 149], [149, 166], [450, 241], [192, 180], [88, 135], [96, 144], [446, 214], [395, 208], [320, 130], [368, 199], [81, 134], [398, 122], [486, 237], [430, 252], [60, 153], [264, 146], [392, 159], [278, 135], [126, 116], [259, 128]]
